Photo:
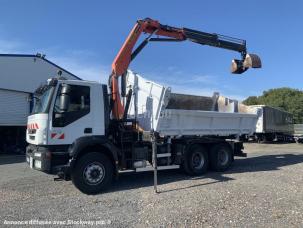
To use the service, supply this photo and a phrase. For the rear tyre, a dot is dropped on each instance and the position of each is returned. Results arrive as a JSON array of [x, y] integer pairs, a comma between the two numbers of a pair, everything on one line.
[[221, 157], [196, 160], [92, 173]]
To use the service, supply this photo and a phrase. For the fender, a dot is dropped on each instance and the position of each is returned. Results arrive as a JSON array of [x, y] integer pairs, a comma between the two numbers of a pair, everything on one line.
[[87, 141]]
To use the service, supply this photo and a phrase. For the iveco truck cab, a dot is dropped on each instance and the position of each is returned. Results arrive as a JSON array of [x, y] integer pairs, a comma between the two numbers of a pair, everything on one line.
[[65, 112]]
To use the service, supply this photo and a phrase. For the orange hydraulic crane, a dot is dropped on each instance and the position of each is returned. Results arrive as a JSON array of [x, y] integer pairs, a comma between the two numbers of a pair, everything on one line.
[[153, 27]]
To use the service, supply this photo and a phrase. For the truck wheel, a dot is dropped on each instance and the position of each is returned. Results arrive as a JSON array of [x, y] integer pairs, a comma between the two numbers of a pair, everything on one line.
[[221, 157], [92, 173], [196, 160]]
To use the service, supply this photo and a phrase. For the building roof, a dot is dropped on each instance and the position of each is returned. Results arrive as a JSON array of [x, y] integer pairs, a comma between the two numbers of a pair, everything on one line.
[[23, 72]]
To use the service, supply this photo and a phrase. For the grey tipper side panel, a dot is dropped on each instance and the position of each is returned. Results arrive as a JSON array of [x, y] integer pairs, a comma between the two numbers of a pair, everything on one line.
[[276, 120], [190, 102]]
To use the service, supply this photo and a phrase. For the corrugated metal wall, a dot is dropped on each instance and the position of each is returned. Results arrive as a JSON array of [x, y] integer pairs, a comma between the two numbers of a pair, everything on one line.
[[14, 108]]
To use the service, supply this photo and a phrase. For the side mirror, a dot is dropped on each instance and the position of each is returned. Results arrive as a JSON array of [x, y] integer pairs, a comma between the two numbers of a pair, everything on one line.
[[64, 99]]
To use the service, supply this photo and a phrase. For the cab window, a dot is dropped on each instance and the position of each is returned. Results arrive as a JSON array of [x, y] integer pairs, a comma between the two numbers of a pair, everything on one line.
[[71, 104]]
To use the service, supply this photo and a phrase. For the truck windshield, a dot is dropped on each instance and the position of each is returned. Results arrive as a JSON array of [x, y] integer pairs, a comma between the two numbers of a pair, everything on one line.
[[42, 98]]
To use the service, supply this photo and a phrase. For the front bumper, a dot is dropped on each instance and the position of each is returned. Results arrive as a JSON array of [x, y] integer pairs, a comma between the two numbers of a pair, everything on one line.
[[47, 159]]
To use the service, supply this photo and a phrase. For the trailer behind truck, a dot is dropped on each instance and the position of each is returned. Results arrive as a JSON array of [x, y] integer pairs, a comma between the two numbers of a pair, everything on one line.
[[273, 124], [298, 133]]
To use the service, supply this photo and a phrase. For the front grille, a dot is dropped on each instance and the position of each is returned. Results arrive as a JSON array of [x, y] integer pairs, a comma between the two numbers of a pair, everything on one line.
[[32, 137]]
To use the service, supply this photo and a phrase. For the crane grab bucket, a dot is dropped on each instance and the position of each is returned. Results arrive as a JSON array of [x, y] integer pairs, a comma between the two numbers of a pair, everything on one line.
[[250, 61]]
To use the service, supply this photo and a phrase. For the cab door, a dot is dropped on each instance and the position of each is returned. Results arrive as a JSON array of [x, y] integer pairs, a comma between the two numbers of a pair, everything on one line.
[[71, 115]]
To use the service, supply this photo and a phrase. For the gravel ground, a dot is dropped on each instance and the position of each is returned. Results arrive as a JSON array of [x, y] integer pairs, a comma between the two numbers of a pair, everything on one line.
[[264, 189]]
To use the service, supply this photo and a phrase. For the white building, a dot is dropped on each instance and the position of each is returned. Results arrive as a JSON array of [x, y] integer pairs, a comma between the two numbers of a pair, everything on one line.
[[20, 75]]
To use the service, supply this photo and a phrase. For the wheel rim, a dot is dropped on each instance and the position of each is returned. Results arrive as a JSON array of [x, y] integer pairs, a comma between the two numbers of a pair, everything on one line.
[[94, 173], [223, 157], [198, 160]]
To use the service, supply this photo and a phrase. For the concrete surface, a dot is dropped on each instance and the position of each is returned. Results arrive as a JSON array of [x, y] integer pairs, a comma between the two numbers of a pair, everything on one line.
[[263, 190]]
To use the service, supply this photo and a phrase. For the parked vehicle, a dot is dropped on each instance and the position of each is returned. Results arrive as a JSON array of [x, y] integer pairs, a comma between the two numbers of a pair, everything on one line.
[[79, 131], [273, 124], [298, 133]]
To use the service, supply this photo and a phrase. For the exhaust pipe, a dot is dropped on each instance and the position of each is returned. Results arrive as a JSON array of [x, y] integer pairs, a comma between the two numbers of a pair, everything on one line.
[[250, 61]]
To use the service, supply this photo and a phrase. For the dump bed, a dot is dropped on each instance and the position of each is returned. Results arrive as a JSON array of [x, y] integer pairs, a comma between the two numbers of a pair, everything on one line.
[[149, 105]]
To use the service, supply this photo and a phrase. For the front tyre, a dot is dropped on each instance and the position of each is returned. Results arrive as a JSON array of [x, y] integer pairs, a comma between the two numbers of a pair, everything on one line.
[[92, 173]]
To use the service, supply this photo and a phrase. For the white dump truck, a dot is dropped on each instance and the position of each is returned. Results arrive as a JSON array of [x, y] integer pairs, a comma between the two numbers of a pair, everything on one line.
[[71, 133], [80, 131]]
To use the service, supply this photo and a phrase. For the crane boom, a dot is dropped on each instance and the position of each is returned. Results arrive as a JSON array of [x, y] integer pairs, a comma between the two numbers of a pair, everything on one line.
[[153, 27]]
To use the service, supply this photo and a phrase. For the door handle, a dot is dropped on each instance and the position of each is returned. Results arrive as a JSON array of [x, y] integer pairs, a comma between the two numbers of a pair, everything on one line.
[[88, 130]]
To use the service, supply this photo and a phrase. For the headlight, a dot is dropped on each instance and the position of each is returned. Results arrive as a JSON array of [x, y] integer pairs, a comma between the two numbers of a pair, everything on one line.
[[38, 164]]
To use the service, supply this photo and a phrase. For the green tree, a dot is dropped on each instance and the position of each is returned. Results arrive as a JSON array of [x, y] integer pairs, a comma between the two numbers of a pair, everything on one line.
[[288, 99], [252, 100]]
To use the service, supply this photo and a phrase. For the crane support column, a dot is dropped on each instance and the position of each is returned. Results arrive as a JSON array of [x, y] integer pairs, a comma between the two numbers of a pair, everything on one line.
[[155, 167]]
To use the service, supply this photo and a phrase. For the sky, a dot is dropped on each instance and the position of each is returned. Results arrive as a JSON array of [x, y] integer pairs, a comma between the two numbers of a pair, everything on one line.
[[84, 36]]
